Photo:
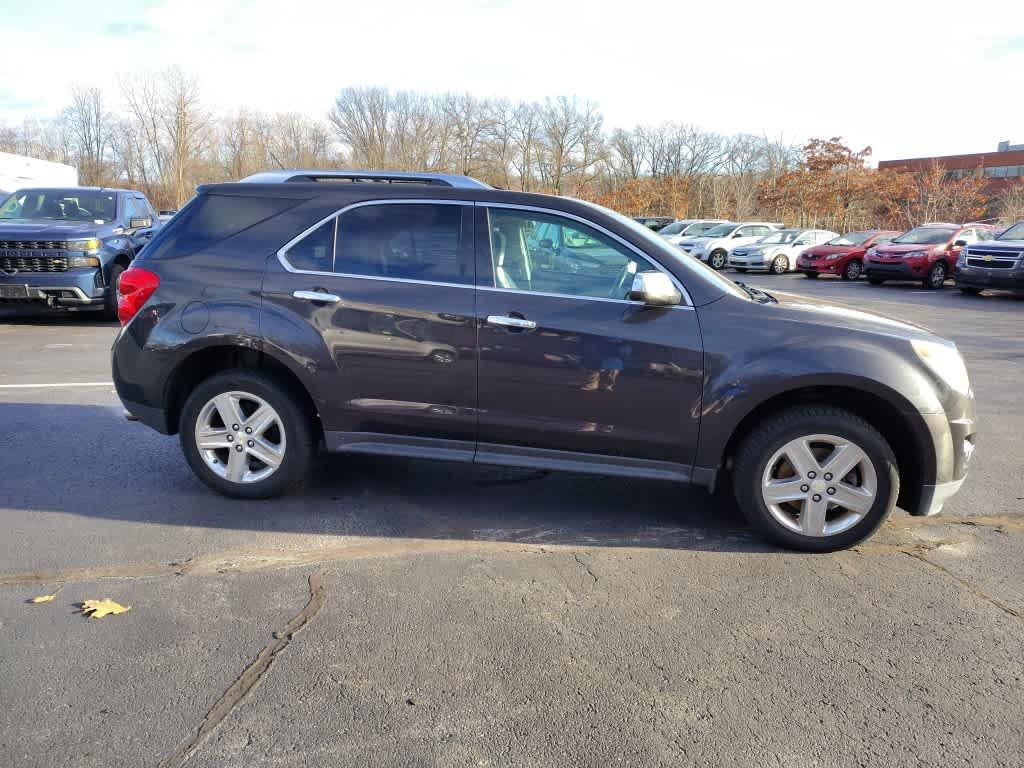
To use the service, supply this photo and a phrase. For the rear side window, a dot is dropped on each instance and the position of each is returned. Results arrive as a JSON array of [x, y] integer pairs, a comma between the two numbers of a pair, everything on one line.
[[404, 241], [208, 219], [314, 252]]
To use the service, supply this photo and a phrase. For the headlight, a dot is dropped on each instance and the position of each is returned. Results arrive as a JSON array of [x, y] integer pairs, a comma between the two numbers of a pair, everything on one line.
[[84, 261], [915, 254], [944, 360], [833, 256], [92, 245]]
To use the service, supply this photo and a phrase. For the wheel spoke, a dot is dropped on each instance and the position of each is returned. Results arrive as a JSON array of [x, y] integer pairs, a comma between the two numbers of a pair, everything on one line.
[[229, 410], [799, 454], [781, 491], [238, 465], [851, 497], [812, 518], [261, 419], [269, 454], [843, 459], [211, 439]]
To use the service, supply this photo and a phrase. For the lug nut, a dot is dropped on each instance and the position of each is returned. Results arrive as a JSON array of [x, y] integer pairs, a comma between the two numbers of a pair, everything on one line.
[[805, 488], [234, 427], [831, 491], [812, 474], [230, 438], [248, 431], [250, 443], [816, 497], [828, 475], [239, 447]]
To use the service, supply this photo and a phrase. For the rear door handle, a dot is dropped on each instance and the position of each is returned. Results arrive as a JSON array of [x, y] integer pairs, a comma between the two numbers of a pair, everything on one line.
[[318, 296], [511, 322]]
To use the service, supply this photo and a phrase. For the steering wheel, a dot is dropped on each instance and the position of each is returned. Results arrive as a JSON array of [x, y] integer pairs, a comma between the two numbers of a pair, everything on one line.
[[625, 278]]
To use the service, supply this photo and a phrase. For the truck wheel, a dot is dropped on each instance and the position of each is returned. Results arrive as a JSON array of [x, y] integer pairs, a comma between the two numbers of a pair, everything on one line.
[[110, 302], [245, 435], [815, 478], [852, 271], [717, 259], [936, 276]]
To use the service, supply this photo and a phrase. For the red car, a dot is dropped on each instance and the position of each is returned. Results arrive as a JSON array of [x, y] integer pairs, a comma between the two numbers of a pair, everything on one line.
[[927, 253], [843, 255]]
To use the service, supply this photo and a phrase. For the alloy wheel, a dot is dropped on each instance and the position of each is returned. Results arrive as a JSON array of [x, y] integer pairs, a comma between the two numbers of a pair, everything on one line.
[[780, 265], [853, 270], [937, 276], [819, 485], [240, 437], [718, 260]]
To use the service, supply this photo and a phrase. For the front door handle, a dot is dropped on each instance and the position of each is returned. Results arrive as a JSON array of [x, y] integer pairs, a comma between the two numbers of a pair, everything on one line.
[[320, 297], [505, 321]]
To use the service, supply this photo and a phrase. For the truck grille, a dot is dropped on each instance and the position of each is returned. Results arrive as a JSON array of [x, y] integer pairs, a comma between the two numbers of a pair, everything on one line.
[[34, 245], [17, 263], [992, 258]]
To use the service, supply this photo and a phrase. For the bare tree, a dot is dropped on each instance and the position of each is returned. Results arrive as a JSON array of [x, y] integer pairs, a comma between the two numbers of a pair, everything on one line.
[[92, 129]]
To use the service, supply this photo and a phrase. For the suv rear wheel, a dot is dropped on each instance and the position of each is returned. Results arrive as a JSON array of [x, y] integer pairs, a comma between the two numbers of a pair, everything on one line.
[[244, 435], [816, 478]]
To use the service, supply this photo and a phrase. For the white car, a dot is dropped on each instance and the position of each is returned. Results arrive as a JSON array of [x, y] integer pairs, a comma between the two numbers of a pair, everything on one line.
[[677, 231], [779, 251], [715, 245]]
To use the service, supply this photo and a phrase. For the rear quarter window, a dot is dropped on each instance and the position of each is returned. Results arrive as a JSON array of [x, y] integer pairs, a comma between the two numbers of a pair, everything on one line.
[[210, 218]]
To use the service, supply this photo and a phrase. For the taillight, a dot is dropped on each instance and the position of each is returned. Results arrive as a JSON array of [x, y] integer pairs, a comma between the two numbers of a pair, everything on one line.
[[135, 286]]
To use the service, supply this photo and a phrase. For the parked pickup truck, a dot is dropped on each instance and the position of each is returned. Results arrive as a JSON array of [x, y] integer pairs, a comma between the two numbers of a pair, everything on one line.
[[65, 248]]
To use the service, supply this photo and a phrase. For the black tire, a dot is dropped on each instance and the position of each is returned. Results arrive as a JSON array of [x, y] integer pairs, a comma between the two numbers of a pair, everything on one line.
[[297, 425], [770, 435], [718, 259], [968, 290], [936, 277], [780, 265], [876, 280], [110, 302], [811, 275], [852, 270]]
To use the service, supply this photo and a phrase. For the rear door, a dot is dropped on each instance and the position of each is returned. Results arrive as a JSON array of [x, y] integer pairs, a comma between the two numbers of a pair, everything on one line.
[[566, 362], [384, 295]]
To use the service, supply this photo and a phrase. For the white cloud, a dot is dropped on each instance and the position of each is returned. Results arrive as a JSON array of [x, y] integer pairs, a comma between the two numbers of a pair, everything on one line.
[[903, 77]]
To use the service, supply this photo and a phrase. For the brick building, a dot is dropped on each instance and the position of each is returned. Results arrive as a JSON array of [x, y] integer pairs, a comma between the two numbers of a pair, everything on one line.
[[1002, 168]]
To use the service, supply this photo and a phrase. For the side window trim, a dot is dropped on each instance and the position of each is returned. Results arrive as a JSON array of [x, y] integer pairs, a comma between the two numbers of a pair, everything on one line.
[[593, 225], [282, 252]]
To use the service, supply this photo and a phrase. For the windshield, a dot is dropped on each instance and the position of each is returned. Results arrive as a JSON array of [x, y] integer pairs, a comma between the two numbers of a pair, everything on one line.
[[61, 205], [674, 228], [925, 236], [667, 254], [722, 230], [701, 227], [850, 238], [785, 236], [1016, 232]]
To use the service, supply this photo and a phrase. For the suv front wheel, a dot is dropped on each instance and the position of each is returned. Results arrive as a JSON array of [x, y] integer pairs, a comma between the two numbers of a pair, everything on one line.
[[244, 435], [816, 478]]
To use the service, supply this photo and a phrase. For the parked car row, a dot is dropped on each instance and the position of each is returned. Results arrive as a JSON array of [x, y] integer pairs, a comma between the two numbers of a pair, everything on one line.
[[930, 253]]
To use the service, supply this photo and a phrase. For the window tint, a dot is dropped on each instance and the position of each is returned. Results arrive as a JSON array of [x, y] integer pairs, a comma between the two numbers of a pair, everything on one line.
[[314, 252], [133, 209], [404, 241], [550, 254], [208, 219]]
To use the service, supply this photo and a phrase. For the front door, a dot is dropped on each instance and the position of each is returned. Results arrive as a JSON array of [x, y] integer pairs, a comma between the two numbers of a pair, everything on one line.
[[567, 363], [392, 341]]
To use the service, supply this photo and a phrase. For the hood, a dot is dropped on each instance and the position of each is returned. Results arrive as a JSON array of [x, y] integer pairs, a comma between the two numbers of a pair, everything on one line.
[[1013, 246], [37, 229], [691, 240], [893, 248], [838, 315], [828, 250]]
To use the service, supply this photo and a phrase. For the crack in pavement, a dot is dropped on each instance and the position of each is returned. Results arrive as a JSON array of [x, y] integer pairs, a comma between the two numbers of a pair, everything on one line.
[[246, 682], [576, 557], [920, 555]]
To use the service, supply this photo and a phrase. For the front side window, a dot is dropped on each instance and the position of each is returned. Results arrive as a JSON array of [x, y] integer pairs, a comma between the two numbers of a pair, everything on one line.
[[546, 253], [404, 241]]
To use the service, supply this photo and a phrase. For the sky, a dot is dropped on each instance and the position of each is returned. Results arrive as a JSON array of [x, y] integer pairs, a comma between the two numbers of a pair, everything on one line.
[[907, 78]]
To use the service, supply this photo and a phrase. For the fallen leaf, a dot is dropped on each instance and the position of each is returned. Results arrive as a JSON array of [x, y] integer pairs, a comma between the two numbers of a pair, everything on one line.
[[97, 609], [43, 598]]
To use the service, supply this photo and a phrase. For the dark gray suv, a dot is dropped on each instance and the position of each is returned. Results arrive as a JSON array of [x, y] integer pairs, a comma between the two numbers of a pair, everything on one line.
[[433, 316]]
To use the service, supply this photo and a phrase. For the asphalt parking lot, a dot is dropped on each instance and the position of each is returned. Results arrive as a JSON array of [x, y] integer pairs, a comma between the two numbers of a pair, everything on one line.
[[396, 612]]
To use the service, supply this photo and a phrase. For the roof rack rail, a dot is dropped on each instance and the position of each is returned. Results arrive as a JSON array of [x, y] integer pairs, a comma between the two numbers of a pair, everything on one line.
[[385, 177]]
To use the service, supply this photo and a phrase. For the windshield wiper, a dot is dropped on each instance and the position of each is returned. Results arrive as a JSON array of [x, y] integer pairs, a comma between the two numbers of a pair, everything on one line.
[[762, 297]]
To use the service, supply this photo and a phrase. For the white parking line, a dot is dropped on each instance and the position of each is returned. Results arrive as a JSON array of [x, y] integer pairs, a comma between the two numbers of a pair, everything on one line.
[[59, 385]]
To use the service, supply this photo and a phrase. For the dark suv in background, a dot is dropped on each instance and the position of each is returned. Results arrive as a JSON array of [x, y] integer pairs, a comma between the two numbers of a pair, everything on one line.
[[995, 264], [66, 248], [432, 316]]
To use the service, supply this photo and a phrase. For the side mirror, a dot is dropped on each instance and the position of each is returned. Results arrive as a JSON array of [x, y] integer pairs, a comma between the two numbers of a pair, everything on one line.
[[143, 222], [739, 234], [959, 243], [655, 289]]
